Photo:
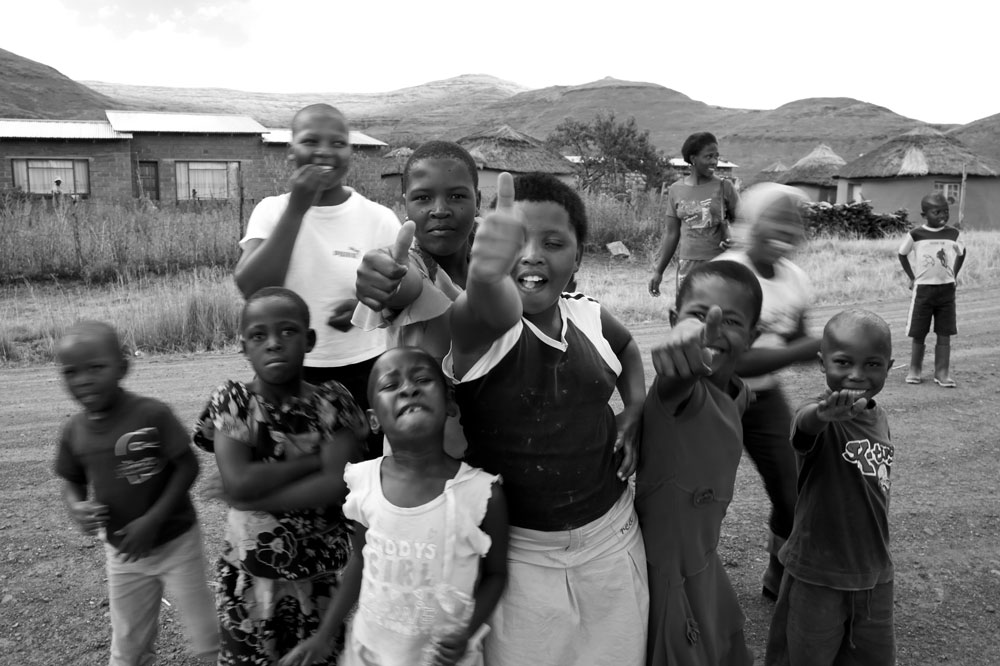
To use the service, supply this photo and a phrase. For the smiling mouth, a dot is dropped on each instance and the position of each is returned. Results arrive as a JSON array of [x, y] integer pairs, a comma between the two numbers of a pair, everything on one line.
[[410, 409], [531, 282]]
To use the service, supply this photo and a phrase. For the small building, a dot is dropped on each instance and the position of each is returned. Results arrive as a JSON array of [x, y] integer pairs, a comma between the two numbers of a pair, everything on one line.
[[88, 156], [723, 169], [815, 174], [900, 172], [768, 174], [495, 151]]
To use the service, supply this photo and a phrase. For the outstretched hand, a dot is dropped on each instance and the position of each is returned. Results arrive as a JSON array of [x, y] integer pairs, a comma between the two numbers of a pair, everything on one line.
[[499, 238], [685, 354], [382, 271], [842, 405]]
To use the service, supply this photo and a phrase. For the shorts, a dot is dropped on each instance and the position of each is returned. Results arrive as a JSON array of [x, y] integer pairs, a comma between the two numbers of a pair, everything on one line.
[[932, 301]]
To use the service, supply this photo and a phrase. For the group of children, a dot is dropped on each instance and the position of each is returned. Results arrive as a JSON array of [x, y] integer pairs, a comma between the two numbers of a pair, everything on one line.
[[512, 535]]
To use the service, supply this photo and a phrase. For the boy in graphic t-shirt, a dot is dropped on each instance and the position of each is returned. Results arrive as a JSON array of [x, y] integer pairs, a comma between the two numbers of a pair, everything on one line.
[[938, 256], [835, 604]]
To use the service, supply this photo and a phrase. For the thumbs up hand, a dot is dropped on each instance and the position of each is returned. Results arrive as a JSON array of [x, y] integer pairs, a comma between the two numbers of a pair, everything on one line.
[[499, 238], [686, 353], [381, 271]]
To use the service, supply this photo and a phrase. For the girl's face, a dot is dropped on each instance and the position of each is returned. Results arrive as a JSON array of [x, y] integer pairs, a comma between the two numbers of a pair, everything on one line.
[[442, 201], [323, 139], [736, 331], [550, 256], [777, 232], [409, 397], [705, 161], [276, 340]]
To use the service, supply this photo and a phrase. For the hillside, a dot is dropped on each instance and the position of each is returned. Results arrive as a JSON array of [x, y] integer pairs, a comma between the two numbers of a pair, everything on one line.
[[418, 112], [29, 89], [452, 108]]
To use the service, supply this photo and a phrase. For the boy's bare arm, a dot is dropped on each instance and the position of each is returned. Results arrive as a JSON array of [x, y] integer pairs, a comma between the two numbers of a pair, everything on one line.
[[842, 405], [88, 514], [491, 304], [264, 262], [631, 385], [904, 261], [959, 261]]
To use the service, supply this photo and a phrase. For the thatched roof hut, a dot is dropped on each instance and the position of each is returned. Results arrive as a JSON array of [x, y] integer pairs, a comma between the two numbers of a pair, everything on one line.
[[818, 169], [901, 171], [506, 149], [923, 151], [768, 174]]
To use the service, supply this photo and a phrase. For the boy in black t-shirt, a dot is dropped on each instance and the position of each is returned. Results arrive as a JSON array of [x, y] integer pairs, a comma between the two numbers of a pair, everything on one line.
[[135, 456], [835, 604]]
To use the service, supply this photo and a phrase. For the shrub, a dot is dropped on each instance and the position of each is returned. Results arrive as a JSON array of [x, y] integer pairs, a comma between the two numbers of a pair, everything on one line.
[[853, 220]]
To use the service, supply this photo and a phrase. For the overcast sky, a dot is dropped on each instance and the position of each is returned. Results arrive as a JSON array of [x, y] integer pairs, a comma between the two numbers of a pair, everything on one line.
[[933, 61]]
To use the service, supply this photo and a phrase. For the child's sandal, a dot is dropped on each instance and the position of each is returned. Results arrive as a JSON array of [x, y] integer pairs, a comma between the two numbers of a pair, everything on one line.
[[913, 379], [945, 383]]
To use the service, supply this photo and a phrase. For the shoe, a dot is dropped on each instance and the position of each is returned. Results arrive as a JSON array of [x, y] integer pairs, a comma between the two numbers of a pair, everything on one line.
[[946, 383], [910, 379]]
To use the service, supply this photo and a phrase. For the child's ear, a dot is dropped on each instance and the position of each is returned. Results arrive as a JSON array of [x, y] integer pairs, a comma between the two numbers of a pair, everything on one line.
[[479, 201], [373, 421], [310, 340], [673, 316], [243, 346], [822, 361]]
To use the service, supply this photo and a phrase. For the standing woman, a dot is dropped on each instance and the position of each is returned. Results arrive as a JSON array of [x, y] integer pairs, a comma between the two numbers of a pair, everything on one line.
[[776, 228], [700, 206]]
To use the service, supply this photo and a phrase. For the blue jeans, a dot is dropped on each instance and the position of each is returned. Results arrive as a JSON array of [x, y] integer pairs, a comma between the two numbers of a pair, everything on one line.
[[815, 625], [134, 592]]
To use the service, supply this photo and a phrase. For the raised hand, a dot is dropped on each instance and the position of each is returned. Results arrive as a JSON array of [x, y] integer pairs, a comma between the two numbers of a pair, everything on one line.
[[842, 405], [307, 184], [499, 238], [382, 271], [685, 354]]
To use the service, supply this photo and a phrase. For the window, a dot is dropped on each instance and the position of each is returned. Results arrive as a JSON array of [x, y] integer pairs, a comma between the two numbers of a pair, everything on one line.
[[951, 191], [854, 192], [39, 176], [208, 180]]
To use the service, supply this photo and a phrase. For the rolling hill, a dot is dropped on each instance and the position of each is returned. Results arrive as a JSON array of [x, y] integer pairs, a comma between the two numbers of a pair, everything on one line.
[[452, 108]]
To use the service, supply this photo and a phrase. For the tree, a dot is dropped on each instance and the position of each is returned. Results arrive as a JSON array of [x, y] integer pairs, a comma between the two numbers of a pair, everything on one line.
[[614, 156]]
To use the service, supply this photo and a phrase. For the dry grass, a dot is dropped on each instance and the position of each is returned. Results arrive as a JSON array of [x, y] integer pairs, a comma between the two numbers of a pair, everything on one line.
[[199, 310]]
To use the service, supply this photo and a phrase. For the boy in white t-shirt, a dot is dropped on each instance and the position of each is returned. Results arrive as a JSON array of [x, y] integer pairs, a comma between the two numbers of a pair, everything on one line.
[[938, 256], [311, 240]]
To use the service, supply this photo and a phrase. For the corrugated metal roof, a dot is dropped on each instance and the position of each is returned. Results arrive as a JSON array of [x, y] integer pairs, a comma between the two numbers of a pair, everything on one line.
[[187, 123], [679, 163], [16, 128], [277, 135]]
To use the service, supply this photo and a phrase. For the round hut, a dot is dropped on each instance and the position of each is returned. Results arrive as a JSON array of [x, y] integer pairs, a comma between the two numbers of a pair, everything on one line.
[[506, 149], [768, 174], [815, 174], [900, 172]]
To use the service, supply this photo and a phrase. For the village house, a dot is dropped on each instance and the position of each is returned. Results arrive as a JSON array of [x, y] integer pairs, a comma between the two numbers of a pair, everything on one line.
[[815, 174], [901, 171], [723, 169], [173, 157], [495, 151]]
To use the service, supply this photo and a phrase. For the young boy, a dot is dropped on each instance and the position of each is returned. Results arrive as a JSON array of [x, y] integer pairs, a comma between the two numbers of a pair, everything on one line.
[[939, 256], [688, 456], [135, 456], [835, 602], [311, 240]]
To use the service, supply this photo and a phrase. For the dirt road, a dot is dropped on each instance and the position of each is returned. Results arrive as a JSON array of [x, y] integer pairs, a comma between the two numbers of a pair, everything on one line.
[[945, 512]]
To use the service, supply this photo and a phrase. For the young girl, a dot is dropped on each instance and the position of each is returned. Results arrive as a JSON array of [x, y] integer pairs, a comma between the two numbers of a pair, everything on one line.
[[281, 445], [700, 207], [534, 369], [430, 538], [688, 455], [409, 291]]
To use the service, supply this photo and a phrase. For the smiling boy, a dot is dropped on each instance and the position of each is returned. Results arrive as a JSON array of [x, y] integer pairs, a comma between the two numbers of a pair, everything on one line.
[[835, 605]]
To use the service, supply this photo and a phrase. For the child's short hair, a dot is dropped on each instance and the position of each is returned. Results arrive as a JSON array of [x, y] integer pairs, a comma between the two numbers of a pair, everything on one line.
[[311, 109], [440, 150], [94, 329], [540, 187], [858, 323], [694, 143], [731, 271], [933, 200], [279, 292]]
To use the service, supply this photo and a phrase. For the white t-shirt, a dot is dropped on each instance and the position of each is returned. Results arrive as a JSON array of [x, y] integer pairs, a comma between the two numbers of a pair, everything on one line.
[[324, 264], [420, 565], [787, 297]]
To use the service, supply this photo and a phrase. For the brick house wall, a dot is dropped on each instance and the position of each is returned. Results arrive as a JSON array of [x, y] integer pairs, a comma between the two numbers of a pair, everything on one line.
[[166, 149], [110, 169]]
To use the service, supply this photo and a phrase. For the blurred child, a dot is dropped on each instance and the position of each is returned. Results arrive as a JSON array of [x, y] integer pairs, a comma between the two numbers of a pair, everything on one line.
[[137, 459], [281, 445], [835, 605], [688, 455], [700, 207], [430, 538], [938, 256], [535, 369], [410, 290], [311, 240]]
